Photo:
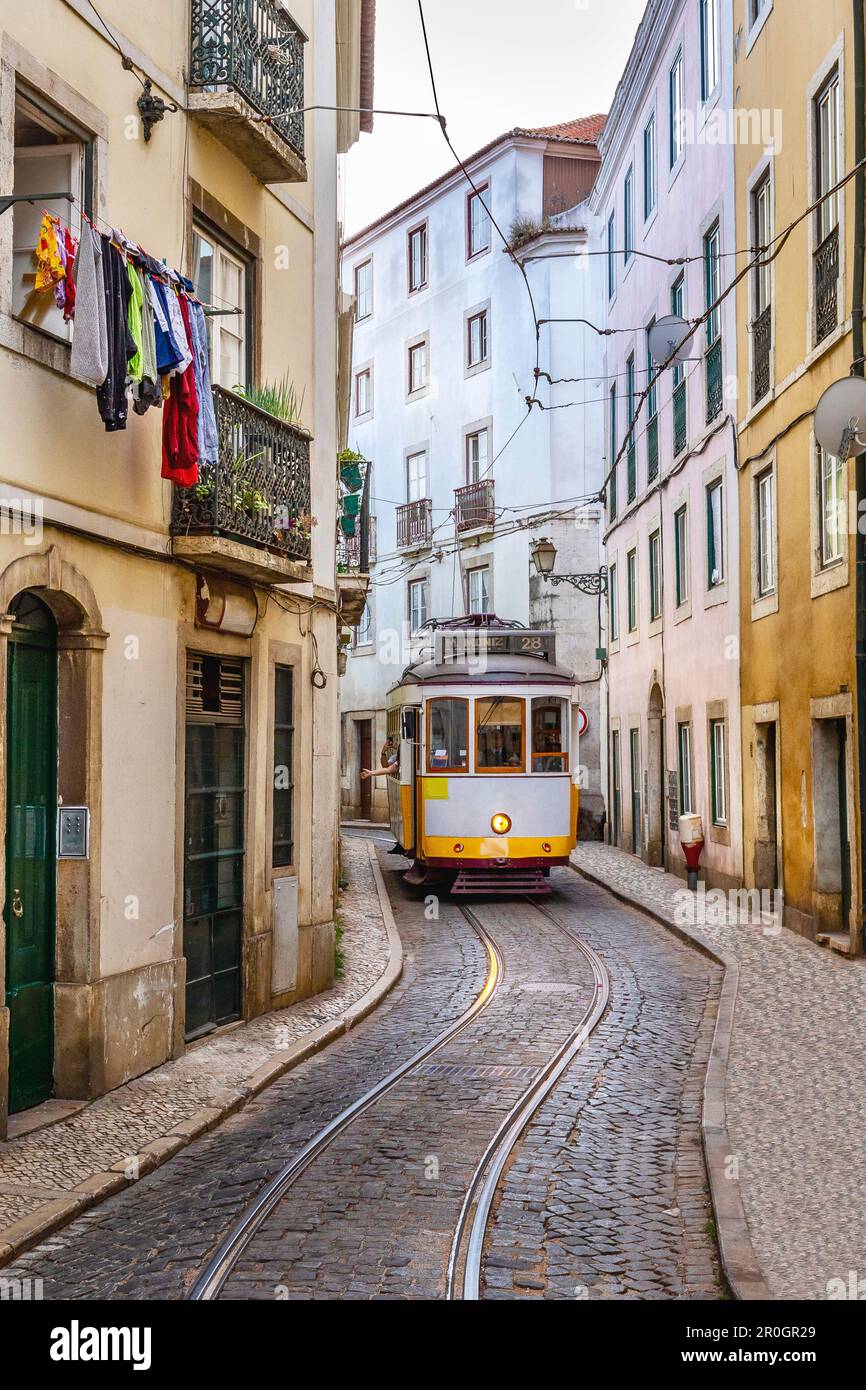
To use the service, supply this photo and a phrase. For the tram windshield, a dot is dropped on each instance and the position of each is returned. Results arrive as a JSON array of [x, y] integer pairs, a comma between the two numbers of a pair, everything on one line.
[[549, 735], [447, 729], [499, 724]]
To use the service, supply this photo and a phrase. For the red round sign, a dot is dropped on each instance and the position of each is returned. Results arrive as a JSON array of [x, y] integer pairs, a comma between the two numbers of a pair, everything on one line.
[[582, 721]]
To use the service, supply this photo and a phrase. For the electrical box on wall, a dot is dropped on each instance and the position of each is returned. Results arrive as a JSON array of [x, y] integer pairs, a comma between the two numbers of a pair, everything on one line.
[[73, 832]]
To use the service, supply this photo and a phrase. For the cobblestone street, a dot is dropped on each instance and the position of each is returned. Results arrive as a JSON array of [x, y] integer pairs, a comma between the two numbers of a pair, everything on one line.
[[606, 1196]]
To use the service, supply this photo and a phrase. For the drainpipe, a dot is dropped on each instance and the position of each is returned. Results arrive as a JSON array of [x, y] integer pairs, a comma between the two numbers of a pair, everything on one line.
[[860, 462]]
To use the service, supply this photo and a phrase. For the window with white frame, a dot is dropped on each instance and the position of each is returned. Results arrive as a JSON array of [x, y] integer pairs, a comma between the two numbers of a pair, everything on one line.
[[631, 589], [649, 167], [681, 555], [477, 334], [676, 109], [478, 221], [765, 532], [417, 605], [719, 771], [628, 217], [417, 258], [710, 47], [364, 630], [715, 534], [363, 290], [479, 589], [713, 281], [655, 576], [833, 508], [416, 476], [761, 233], [678, 307], [222, 276], [364, 391], [611, 255], [477, 454], [418, 367], [684, 767], [827, 170]]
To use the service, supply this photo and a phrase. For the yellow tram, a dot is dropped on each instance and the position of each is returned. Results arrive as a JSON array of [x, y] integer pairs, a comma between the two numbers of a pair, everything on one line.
[[486, 787]]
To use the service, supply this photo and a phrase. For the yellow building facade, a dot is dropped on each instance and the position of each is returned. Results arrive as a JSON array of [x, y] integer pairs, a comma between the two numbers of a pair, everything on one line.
[[186, 643], [797, 544]]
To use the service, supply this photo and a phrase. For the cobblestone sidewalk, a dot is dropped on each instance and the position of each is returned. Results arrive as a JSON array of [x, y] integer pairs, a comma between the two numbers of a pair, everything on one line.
[[795, 1085], [50, 1175]]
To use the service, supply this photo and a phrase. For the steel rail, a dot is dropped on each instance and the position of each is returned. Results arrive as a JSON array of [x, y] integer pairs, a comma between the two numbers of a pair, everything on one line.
[[210, 1281], [475, 1212]]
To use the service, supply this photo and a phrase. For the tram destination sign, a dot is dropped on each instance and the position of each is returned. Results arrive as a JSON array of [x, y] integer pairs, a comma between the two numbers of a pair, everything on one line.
[[470, 644]]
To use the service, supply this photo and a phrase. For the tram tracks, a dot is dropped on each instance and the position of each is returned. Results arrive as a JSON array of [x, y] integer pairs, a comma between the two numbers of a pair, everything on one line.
[[464, 1265]]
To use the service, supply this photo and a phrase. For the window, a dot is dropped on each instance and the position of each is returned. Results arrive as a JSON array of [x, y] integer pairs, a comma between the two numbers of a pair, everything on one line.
[[479, 589], [477, 452], [476, 339], [499, 724], [833, 508], [631, 475], [364, 630], [417, 605], [684, 766], [827, 170], [284, 733], [364, 392], [222, 276], [676, 109], [655, 576], [652, 411], [681, 555], [634, 766], [478, 221], [612, 500], [765, 531], [612, 609], [550, 734], [649, 168], [611, 256], [51, 154], [715, 535], [628, 217], [447, 731], [363, 290], [616, 787], [416, 476], [709, 47], [417, 367], [712, 282], [761, 235], [417, 258], [719, 771], [631, 589], [678, 307]]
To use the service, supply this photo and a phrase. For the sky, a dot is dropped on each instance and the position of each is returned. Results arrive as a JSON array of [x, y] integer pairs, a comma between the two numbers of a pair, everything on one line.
[[498, 64]]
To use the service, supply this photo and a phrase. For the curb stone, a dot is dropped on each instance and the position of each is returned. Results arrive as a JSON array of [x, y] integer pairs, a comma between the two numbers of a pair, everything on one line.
[[739, 1260], [51, 1216]]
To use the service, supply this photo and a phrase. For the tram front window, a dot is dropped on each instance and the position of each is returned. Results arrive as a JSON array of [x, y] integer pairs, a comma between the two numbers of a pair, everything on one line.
[[499, 734], [447, 746], [549, 742]]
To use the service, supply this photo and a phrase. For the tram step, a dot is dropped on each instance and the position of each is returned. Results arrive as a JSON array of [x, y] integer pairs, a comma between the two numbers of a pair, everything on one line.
[[522, 881]]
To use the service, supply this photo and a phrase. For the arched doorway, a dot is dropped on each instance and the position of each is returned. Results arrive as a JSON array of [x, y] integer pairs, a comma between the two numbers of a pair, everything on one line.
[[655, 839], [31, 814]]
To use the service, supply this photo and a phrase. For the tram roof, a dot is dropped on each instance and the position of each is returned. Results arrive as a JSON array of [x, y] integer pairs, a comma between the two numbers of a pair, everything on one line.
[[493, 670]]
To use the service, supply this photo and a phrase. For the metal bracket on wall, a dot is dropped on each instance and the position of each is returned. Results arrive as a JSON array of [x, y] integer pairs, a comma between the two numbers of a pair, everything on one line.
[[593, 583], [7, 200]]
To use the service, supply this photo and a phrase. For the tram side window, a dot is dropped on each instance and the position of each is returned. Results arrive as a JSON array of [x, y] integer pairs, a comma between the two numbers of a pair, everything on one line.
[[447, 730], [549, 735], [499, 734]]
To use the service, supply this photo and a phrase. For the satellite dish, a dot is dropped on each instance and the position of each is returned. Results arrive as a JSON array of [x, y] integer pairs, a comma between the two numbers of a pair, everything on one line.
[[667, 334], [840, 418]]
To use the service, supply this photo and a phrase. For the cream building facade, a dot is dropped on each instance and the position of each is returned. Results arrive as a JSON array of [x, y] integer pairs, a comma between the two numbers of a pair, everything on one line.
[[169, 660]]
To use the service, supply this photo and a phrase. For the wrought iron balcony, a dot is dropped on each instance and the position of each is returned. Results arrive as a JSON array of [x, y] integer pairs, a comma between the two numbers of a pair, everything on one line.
[[473, 506], [827, 286], [681, 424], [350, 549], [715, 380], [652, 449], [250, 511], [246, 72], [762, 336], [415, 524]]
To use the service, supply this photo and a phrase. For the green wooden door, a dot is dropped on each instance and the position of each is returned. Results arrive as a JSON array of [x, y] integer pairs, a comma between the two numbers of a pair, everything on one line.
[[30, 854]]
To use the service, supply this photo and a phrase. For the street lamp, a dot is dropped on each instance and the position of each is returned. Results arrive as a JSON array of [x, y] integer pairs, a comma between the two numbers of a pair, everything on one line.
[[544, 558]]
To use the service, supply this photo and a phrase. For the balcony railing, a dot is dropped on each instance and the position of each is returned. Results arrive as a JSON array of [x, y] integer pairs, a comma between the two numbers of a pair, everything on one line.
[[258, 491], [473, 505], [254, 48], [350, 549], [415, 524], [762, 337], [827, 286], [652, 449], [715, 381], [681, 426]]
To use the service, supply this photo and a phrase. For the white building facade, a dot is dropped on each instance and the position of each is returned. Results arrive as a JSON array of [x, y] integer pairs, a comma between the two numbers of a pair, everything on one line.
[[466, 476], [666, 189]]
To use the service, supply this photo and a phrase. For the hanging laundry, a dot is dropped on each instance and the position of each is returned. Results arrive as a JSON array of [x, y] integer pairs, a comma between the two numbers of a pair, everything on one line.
[[180, 417], [208, 439], [178, 327], [49, 260], [169, 354], [111, 395], [89, 359], [70, 247], [136, 301], [148, 391]]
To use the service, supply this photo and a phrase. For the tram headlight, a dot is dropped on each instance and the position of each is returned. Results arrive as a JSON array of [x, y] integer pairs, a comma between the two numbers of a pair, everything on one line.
[[500, 824], [458, 848]]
